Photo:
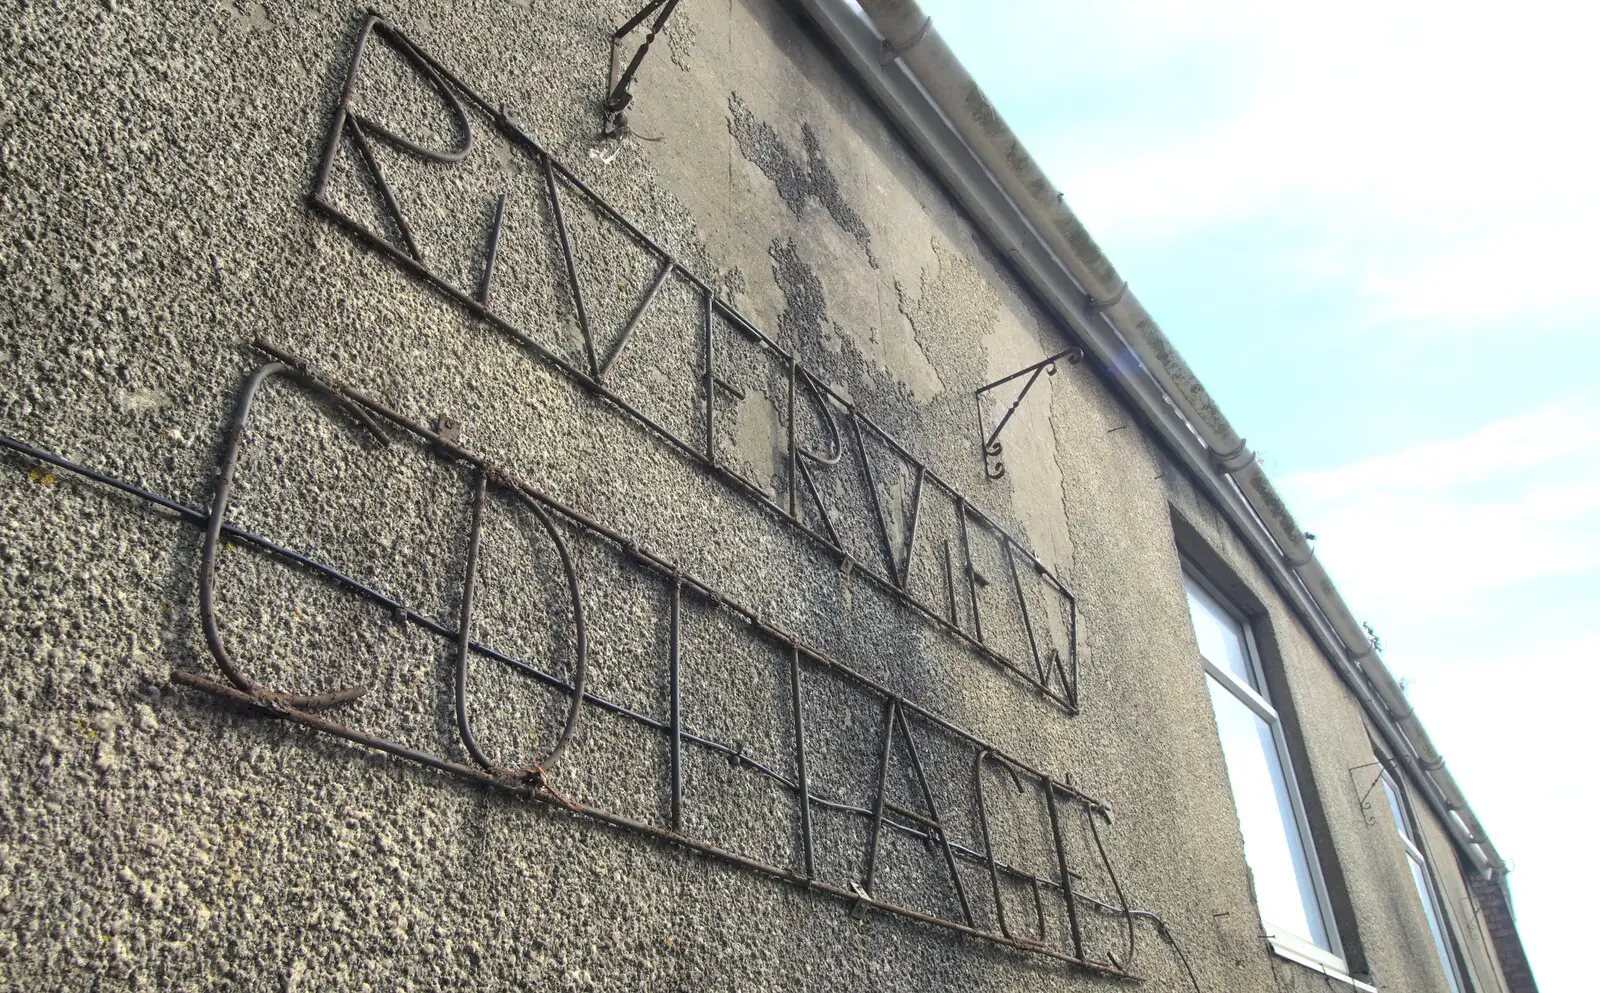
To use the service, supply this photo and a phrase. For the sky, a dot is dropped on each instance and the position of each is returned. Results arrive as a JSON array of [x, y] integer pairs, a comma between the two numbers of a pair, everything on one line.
[[1371, 228]]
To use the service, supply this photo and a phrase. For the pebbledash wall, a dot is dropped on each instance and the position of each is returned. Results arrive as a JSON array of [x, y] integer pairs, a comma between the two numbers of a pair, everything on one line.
[[184, 192]]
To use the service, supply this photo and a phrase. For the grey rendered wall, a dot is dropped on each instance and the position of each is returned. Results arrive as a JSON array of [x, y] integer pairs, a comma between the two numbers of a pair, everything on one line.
[[153, 223]]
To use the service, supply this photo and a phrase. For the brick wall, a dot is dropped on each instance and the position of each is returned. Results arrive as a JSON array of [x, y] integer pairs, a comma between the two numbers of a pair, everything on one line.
[[1502, 929]]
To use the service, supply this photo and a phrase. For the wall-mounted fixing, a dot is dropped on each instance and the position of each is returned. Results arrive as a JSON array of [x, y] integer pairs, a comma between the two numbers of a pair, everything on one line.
[[617, 95], [992, 466]]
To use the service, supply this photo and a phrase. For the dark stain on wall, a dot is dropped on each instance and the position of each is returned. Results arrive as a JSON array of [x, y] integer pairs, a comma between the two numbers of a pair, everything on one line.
[[805, 308], [826, 347], [797, 179]]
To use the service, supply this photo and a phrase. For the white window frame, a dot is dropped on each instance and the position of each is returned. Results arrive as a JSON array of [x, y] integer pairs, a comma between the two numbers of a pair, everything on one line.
[[1422, 875], [1296, 948]]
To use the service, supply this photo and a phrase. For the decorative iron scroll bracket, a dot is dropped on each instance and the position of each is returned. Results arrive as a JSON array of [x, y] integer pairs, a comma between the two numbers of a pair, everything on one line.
[[1363, 793], [618, 94], [990, 440]]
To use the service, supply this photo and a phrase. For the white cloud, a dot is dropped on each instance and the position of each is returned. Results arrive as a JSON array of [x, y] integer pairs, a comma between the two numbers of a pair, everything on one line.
[[1438, 524], [1516, 444], [1514, 729], [1444, 148]]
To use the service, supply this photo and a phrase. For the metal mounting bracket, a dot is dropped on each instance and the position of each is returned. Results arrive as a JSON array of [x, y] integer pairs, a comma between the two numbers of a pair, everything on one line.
[[990, 440], [618, 96]]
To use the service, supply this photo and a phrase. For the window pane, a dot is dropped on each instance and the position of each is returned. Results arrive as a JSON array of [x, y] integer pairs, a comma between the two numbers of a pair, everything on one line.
[[1400, 822], [1271, 837], [1420, 877], [1221, 639]]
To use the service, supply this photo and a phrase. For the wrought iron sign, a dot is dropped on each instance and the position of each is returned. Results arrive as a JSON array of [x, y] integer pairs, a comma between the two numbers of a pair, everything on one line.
[[1043, 913], [805, 505]]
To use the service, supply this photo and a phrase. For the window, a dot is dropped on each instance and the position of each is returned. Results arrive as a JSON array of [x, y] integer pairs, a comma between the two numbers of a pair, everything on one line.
[[1412, 841], [1277, 844]]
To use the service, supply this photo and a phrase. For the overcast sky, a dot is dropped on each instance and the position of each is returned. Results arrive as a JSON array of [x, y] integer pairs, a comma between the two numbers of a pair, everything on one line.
[[1371, 228]]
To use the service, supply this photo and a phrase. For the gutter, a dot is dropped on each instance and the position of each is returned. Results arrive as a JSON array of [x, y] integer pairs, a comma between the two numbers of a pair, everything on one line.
[[923, 88]]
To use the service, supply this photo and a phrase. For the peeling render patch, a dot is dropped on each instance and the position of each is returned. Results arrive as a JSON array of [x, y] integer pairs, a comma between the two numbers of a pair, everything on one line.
[[953, 295], [681, 38], [826, 347], [734, 285], [796, 181], [249, 15], [805, 307], [757, 435]]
